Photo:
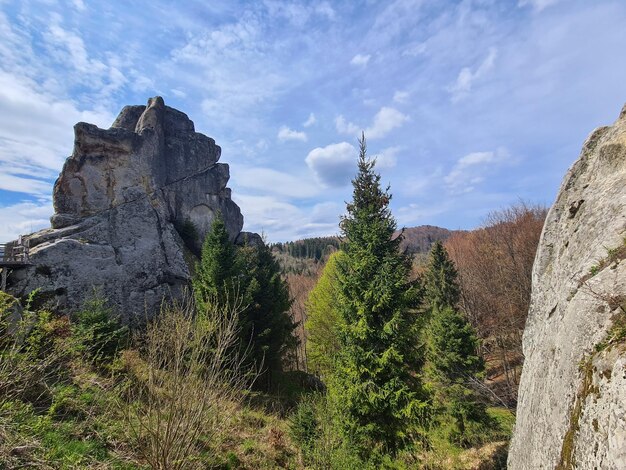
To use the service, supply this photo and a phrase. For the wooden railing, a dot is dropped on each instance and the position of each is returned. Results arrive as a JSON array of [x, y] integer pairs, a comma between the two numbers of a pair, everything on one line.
[[14, 252]]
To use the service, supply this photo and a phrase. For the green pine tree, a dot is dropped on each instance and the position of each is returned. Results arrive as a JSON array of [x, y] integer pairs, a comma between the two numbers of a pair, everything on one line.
[[453, 361], [440, 280], [375, 383], [216, 277], [266, 326]]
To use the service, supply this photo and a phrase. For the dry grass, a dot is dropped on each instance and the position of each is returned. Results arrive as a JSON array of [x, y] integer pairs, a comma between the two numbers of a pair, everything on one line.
[[188, 379]]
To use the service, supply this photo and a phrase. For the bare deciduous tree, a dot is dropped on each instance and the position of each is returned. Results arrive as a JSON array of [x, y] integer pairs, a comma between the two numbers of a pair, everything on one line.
[[495, 270], [189, 375]]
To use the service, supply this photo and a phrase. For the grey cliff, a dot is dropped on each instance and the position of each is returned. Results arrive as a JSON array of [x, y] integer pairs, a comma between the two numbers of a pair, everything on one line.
[[121, 203], [572, 399]]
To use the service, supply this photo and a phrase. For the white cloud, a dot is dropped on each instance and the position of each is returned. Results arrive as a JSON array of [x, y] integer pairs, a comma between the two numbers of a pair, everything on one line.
[[415, 49], [237, 62], [275, 182], [385, 120], [36, 133], [326, 213], [23, 218], [387, 158], [538, 5], [401, 96], [285, 133], [333, 165], [60, 38], [360, 60], [310, 121], [79, 5], [299, 14], [472, 169], [344, 127], [285, 221], [18, 184], [414, 214], [421, 184], [466, 78]]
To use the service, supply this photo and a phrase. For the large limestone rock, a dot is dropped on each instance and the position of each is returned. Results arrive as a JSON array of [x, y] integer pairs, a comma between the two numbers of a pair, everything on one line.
[[572, 400], [119, 201]]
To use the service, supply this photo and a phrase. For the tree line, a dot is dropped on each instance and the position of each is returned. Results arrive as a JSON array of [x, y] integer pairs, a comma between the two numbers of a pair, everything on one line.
[[314, 248]]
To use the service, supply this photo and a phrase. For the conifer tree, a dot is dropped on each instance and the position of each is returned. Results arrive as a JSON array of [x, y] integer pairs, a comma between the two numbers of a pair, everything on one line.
[[441, 284], [215, 279], [453, 360], [266, 326], [375, 384], [250, 276]]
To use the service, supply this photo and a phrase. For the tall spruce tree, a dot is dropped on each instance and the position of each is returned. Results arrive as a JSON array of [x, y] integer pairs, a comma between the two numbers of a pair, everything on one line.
[[375, 383], [215, 279], [441, 279], [454, 364], [266, 326]]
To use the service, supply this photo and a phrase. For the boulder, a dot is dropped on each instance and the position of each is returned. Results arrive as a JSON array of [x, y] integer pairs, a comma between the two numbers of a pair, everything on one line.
[[571, 411], [120, 201]]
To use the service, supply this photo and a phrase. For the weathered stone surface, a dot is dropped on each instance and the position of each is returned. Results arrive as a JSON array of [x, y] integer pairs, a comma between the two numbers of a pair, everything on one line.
[[572, 399], [118, 201]]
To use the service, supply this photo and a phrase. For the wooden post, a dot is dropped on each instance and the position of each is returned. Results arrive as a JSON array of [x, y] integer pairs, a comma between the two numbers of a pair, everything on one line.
[[4, 279]]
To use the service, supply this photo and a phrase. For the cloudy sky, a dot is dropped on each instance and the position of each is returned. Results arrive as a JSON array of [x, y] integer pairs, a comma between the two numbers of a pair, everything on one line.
[[469, 105]]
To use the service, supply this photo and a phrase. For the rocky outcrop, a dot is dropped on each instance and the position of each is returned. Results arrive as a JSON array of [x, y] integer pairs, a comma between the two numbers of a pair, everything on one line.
[[572, 400], [122, 201]]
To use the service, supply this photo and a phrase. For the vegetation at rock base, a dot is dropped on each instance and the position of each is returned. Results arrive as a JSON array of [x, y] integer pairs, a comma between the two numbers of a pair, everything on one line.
[[209, 383], [265, 321], [250, 276], [216, 276]]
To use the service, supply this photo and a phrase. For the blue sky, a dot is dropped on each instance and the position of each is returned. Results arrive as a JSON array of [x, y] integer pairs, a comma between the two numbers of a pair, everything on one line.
[[469, 105]]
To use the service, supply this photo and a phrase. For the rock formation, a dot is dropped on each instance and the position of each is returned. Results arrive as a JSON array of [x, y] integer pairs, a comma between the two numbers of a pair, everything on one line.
[[122, 201], [572, 399]]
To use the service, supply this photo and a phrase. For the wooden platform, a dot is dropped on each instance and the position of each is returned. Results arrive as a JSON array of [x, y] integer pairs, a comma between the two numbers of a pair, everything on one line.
[[12, 255]]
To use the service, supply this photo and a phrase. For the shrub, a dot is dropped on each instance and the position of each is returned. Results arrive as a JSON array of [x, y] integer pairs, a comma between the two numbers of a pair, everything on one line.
[[30, 355], [189, 233], [98, 332], [183, 386]]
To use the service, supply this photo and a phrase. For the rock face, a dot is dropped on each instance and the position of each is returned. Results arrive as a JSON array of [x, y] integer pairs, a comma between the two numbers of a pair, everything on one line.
[[120, 202], [572, 399]]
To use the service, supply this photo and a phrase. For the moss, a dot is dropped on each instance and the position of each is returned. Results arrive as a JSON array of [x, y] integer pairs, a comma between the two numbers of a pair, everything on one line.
[[614, 256], [567, 460], [616, 334]]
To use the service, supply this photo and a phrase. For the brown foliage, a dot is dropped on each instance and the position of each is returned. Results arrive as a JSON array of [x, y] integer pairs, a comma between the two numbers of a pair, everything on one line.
[[495, 273], [299, 287]]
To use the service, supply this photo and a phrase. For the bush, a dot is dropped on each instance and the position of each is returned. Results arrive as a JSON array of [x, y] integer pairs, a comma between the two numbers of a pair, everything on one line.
[[98, 332], [30, 352], [304, 427], [184, 383]]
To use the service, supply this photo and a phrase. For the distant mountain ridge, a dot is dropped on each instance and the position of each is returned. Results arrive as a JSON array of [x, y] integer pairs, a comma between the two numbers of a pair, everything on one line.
[[420, 239]]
